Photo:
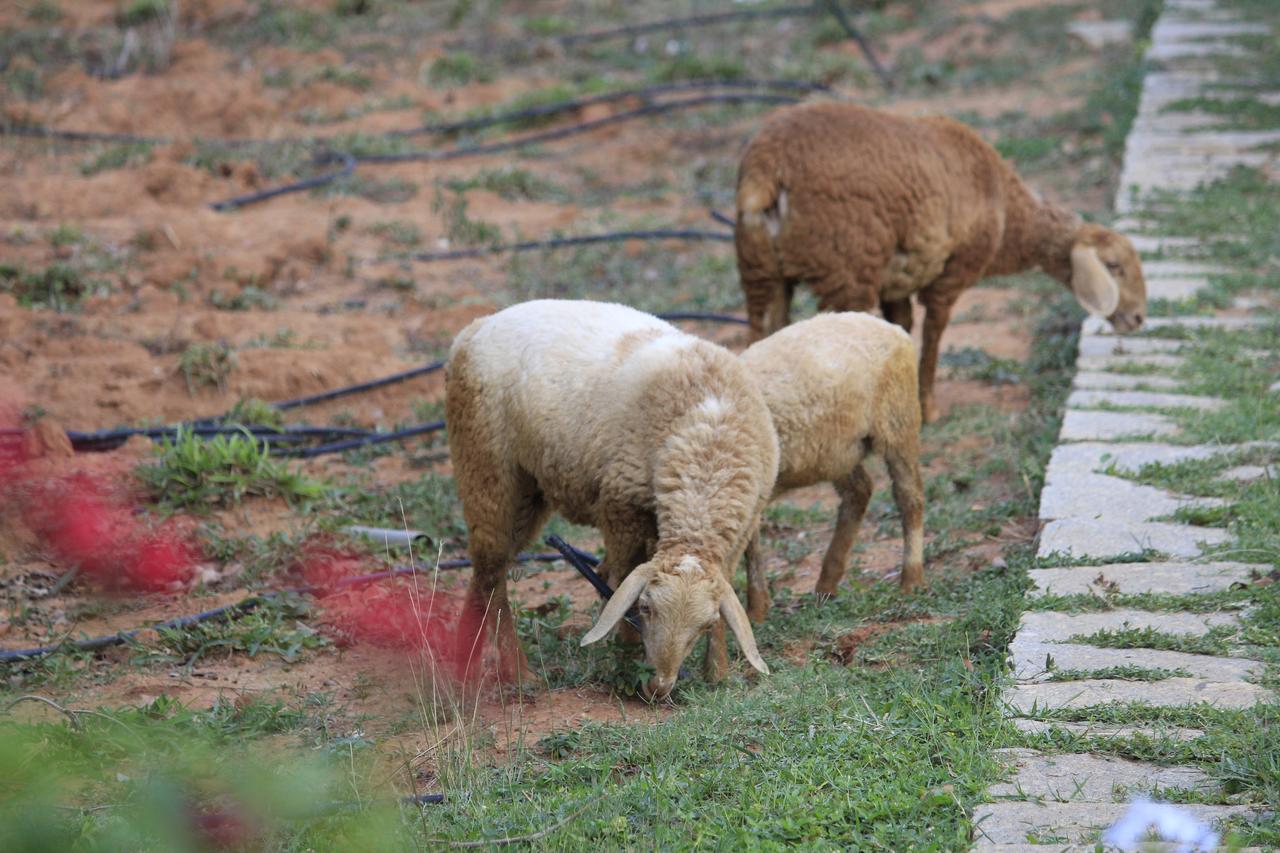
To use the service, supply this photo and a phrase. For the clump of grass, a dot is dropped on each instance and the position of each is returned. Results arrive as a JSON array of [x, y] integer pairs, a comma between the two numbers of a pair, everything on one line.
[[274, 627], [197, 473], [207, 364], [460, 228], [1214, 642], [250, 297], [511, 183], [974, 363], [690, 66], [251, 410], [58, 286], [398, 232], [117, 157], [139, 12], [1120, 673], [458, 69]]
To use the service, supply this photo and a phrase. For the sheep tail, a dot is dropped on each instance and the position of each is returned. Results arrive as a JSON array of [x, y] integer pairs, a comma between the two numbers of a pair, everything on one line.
[[762, 204]]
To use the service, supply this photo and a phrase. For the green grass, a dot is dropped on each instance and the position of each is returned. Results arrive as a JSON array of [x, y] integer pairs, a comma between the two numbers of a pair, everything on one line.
[[512, 183], [1212, 643], [198, 474], [206, 365], [1121, 673], [117, 157], [58, 287]]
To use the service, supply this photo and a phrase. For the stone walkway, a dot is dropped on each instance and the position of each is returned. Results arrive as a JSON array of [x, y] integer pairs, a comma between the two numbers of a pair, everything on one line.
[[1063, 801]]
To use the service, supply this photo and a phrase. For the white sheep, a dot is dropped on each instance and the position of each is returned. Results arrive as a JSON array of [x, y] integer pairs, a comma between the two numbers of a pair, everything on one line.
[[618, 420], [840, 387]]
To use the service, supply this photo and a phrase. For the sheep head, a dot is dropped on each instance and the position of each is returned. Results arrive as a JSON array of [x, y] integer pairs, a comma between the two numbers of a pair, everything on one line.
[[1106, 277], [679, 600]]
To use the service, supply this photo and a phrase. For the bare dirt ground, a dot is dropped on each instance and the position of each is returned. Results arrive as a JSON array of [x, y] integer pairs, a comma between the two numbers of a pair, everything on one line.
[[295, 290]]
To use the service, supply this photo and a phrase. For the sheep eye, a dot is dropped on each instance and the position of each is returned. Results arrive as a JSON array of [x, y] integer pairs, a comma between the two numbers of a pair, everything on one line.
[[1113, 267]]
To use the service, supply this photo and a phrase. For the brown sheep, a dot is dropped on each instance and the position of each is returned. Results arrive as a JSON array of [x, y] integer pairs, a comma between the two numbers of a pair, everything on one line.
[[839, 387], [618, 420], [869, 208]]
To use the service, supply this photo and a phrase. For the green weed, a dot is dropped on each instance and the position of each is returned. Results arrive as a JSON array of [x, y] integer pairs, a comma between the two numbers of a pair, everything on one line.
[[198, 474], [206, 365], [117, 157]]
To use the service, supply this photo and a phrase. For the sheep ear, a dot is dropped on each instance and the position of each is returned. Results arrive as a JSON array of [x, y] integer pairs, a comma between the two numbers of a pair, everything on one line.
[[1092, 285], [732, 613], [618, 605]]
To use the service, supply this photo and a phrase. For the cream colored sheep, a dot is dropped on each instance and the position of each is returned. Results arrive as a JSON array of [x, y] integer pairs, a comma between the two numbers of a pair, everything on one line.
[[840, 387], [869, 208], [619, 420]]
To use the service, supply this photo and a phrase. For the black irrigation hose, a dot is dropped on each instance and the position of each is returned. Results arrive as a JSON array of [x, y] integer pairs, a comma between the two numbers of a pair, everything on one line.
[[585, 564], [325, 396], [364, 441], [722, 218], [482, 149], [110, 439], [348, 167], [701, 316], [571, 104], [691, 21], [431, 128], [886, 79], [579, 128], [230, 610], [561, 242]]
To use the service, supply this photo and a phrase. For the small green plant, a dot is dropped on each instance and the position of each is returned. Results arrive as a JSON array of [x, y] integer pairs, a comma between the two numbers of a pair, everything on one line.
[[44, 12], [255, 412], [249, 297], [66, 234], [460, 228], [199, 473], [117, 157], [207, 364], [58, 286], [458, 69], [398, 232], [511, 183], [275, 627], [974, 363], [139, 12]]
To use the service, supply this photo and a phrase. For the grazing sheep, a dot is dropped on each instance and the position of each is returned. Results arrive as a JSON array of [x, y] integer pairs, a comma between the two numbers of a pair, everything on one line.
[[839, 387], [619, 420], [868, 208]]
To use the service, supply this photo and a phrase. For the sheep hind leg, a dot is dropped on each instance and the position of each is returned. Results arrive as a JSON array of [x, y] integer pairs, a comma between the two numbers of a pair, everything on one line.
[[898, 312], [936, 318], [855, 492], [903, 460], [521, 511], [768, 306]]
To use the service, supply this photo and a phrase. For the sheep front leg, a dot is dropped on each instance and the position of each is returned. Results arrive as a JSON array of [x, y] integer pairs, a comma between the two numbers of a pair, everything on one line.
[[855, 493], [758, 599], [937, 315]]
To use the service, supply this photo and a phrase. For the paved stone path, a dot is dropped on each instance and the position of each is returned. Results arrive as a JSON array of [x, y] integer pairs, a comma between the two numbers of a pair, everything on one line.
[[1064, 801]]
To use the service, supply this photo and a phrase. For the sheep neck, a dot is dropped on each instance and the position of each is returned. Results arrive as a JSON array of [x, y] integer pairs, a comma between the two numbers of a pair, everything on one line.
[[1037, 235]]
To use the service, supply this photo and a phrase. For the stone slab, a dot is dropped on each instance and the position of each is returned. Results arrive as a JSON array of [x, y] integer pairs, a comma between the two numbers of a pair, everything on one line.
[[1098, 538], [1175, 289], [1082, 777], [1099, 326], [1112, 499], [1106, 730], [1079, 425], [1070, 823], [1149, 245], [1050, 626], [1248, 473], [1099, 34], [1030, 659], [1097, 345], [1096, 379], [1142, 399], [1113, 362], [1088, 456], [1170, 693], [1136, 578]]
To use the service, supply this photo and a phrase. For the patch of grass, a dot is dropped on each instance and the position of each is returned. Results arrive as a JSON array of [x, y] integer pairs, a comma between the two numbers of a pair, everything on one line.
[[511, 183], [1236, 113], [382, 191], [1120, 673], [459, 69], [139, 12], [651, 276], [274, 627], [117, 157], [247, 298], [254, 412], [193, 473], [206, 365], [44, 12], [974, 363], [459, 227], [59, 286], [428, 503], [1212, 643], [690, 66], [398, 232]]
